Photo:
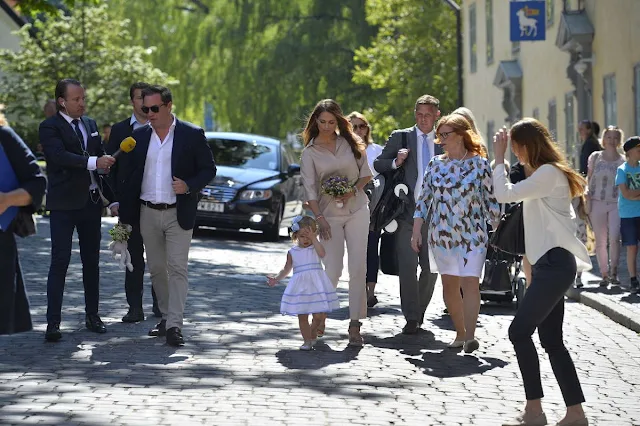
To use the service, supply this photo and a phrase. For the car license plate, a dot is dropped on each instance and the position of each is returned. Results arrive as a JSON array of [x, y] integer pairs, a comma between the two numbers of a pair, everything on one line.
[[211, 207]]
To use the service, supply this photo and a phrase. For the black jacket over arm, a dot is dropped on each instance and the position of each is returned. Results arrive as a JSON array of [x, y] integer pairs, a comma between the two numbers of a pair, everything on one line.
[[30, 177], [191, 161], [67, 172]]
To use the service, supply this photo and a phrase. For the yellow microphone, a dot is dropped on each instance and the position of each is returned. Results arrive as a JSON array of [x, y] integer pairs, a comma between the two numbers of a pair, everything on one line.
[[126, 145]]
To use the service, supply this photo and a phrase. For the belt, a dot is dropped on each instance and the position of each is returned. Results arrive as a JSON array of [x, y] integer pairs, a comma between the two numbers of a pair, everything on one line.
[[161, 206]]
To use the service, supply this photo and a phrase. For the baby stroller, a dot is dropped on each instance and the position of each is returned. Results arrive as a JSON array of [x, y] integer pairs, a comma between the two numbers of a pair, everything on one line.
[[502, 281]]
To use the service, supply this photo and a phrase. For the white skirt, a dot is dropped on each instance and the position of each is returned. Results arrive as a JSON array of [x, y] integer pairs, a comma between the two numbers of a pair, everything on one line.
[[451, 263], [309, 292]]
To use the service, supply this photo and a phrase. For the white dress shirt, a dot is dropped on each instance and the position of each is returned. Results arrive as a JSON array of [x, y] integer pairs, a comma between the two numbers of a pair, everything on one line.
[[157, 177], [549, 218], [421, 167], [373, 151], [91, 163], [135, 123]]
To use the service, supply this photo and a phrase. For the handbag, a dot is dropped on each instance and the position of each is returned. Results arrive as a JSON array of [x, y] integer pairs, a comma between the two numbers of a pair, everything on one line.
[[496, 273], [24, 225], [509, 235], [388, 254]]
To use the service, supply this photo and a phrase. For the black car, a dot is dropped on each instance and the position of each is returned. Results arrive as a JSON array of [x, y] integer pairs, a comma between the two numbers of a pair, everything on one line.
[[258, 185]]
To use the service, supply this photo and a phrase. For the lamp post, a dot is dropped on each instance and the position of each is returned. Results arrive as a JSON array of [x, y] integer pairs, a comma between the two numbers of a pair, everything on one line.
[[456, 8]]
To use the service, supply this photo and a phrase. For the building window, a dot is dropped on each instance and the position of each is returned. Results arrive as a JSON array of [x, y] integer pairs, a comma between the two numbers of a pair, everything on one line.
[[536, 113], [473, 40], [553, 119], [550, 12], [636, 95], [610, 103], [489, 22], [569, 127], [491, 131]]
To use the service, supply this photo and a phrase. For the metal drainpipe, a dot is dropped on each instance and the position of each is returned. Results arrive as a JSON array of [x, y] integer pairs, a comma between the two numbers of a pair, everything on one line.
[[456, 8]]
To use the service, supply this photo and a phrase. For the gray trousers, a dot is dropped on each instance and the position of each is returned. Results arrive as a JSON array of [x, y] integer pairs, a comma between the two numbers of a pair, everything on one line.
[[167, 247], [415, 294]]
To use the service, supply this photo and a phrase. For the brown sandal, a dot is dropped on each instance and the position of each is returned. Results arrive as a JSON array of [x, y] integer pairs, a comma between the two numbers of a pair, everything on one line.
[[355, 338]]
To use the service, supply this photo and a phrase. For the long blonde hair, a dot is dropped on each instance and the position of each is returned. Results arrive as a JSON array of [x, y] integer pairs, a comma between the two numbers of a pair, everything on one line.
[[3, 119], [462, 126], [540, 149], [355, 114]]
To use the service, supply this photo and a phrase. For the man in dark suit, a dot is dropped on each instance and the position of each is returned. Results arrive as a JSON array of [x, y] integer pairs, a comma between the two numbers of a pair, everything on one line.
[[415, 294], [133, 279], [76, 195], [168, 168]]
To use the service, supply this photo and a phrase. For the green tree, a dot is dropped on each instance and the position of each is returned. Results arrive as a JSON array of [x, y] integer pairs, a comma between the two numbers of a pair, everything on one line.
[[413, 53], [85, 45], [262, 64]]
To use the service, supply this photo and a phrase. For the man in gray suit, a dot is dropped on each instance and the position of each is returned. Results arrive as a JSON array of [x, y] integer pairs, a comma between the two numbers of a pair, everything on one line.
[[415, 294]]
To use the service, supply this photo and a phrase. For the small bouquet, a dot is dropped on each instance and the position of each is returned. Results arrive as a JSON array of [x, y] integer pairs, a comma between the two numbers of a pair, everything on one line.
[[337, 186], [120, 234]]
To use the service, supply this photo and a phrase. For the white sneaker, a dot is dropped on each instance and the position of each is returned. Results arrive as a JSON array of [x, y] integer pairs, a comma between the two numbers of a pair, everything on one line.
[[307, 346]]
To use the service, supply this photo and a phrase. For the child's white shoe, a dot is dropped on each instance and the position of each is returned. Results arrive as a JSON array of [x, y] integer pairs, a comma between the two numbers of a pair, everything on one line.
[[307, 346]]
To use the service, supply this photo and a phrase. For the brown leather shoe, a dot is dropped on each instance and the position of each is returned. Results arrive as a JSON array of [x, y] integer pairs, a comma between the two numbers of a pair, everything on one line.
[[159, 330]]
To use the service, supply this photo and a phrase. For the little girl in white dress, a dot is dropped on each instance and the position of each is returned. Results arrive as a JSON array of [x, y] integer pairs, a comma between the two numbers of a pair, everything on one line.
[[309, 290]]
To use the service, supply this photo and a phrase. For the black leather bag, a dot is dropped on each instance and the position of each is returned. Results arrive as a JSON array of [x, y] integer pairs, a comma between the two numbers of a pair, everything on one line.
[[388, 255], [496, 273], [23, 224], [509, 235]]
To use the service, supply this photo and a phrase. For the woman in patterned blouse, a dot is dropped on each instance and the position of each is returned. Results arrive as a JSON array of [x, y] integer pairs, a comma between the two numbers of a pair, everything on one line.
[[457, 200]]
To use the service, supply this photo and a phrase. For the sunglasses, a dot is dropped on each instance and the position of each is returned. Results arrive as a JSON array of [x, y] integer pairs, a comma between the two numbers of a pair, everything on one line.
[[360, 126], [444, 135], [153, 108]]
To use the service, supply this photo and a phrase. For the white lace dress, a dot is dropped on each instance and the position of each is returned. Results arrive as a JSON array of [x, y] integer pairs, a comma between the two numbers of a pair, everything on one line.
[[309, 290]]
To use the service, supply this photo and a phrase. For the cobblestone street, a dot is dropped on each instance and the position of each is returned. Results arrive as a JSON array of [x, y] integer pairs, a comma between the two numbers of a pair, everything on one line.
[[241, 363]]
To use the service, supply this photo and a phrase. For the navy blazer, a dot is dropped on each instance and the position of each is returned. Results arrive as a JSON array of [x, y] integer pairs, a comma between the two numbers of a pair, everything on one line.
[[191, 161], [69, 180], [25, 167], [117, 177]]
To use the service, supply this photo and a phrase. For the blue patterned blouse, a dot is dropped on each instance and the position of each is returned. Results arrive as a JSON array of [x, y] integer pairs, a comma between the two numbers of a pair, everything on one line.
[[458, 202]]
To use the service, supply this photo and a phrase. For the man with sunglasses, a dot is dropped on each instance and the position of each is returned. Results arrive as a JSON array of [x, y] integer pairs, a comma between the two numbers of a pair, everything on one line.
[[168, 168], [415, 294], [76, 198], [133, 279]]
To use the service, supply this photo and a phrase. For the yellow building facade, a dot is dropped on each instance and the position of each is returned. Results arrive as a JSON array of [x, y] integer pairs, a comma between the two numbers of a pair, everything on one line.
[[588, 67]]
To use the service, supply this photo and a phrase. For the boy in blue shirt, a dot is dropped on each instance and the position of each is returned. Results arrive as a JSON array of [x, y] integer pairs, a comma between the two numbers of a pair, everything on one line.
[[628, 181]]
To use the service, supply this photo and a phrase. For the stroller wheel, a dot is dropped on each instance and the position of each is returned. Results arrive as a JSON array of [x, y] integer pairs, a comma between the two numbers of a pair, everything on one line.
[[521, 288]]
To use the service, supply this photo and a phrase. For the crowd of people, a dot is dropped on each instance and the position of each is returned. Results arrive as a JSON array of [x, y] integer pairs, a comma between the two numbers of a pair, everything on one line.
[[455, 196]]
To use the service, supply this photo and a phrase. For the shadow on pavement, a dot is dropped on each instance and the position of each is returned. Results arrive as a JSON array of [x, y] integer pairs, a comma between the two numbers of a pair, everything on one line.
[[448, 363]]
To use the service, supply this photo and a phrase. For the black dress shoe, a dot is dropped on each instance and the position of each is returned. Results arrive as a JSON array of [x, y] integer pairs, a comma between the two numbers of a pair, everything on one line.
[[159, 330], [411, 327], [53, 332], [174, 337], [134, 315], [95, 324], [156, 312]]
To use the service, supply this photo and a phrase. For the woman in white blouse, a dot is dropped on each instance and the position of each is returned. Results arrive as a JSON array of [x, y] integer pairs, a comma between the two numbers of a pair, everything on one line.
[[555, 255], [362, 128]]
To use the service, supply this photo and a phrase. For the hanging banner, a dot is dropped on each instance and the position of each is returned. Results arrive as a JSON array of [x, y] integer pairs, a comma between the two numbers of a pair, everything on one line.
[[528, 20]]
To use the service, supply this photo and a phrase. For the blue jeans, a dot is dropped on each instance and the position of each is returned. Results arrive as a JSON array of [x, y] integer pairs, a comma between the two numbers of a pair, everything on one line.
[[543, 308]]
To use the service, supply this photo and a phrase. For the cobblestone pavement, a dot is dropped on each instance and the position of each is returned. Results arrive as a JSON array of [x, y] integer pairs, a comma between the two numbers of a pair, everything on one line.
[[241, 364]]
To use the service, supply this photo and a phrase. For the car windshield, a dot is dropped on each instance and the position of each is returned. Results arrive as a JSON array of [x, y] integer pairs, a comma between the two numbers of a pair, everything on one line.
[[244, 154]]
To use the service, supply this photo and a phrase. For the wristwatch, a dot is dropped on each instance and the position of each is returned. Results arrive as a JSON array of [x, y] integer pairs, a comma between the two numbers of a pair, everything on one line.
[[355, 190]]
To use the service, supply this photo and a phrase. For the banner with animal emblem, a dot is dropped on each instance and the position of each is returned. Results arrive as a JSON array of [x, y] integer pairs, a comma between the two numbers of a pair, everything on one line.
[[528, 20]]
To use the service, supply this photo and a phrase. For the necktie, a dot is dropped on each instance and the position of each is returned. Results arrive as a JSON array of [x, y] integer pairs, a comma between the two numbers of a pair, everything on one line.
[[76, 128], [426, 153]]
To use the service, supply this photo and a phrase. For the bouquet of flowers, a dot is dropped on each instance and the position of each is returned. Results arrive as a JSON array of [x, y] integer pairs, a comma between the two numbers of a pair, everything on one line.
[[120, 234], [336, 186]]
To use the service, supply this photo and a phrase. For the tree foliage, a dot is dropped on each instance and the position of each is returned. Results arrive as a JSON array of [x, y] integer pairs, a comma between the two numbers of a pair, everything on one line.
[[85, 45], [413, 53], [35, 7], [262, 64]]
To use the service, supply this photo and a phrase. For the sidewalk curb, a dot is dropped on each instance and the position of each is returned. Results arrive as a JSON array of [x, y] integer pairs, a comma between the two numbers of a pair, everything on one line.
[[606, 307]]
